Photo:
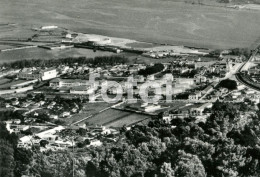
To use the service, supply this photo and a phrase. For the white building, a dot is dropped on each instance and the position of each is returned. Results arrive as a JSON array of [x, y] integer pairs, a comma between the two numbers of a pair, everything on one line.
[[49, 27], [152, 108], [57, 83], [46, 74], [185, 81], [168, 77], [82, 90], [195, 96]]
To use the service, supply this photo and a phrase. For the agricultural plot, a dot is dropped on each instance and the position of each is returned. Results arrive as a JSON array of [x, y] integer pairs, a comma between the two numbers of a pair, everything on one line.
[[88, 109], [115, 118], [6, 84]]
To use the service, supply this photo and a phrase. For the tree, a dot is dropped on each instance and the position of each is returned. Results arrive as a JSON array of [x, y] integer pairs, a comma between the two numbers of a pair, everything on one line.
[[43, 143], [166, 170], [82, 131], [188, 165], [7, 162], [229, 84]]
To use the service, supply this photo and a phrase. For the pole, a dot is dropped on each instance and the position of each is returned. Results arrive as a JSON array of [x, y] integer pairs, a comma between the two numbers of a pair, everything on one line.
[[72, 159]]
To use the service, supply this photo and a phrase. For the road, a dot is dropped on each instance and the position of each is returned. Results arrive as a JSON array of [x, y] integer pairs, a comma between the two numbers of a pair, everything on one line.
[[244, 67]]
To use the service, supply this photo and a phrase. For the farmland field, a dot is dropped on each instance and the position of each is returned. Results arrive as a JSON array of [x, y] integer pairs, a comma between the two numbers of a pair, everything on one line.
[[88, 109], [4, 81], [6, 84], [172, 22], [115, 118], [39, 53]]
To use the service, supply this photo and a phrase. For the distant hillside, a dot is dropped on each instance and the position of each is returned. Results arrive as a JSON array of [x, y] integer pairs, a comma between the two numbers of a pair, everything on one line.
[[240, 1], [212, 2]]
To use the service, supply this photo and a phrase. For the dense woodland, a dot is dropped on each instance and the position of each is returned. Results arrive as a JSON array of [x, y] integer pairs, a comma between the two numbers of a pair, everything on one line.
[[224, 145], [152, 69], [97, 61]]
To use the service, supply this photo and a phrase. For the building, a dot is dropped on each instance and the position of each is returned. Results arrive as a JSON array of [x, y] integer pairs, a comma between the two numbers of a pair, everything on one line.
[[57, 83], [51, 27], [65, 114], [136, 78], [188, 110], [168, 77], [150, 77], [152, 108], [30, 74], [200, 78], [13, 121], [207, 90], [198, 111], [16, 128], [195, 96], [187, 81], [82, 90]]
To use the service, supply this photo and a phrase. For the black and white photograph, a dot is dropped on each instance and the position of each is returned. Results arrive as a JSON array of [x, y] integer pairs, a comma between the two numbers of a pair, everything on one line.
[[129, 88]]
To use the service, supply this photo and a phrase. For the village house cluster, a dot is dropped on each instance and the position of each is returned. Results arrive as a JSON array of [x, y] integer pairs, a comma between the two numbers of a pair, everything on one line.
[[49, 97]]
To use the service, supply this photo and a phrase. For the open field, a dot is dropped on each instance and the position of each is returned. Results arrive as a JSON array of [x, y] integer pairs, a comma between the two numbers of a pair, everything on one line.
[[114, 118], [7, 83], [39, 53], [4, 80], [159, 21], [128, 120], [88, 109]]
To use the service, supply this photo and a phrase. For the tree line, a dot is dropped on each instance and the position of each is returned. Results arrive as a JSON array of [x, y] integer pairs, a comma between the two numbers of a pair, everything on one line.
[[152, 69], [224, 145], [97, 61]]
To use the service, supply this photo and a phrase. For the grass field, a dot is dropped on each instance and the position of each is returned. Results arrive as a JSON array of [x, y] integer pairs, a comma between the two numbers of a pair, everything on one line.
[[7, 83], [39, 53], [4, 81], [115, 118], [88, 109]]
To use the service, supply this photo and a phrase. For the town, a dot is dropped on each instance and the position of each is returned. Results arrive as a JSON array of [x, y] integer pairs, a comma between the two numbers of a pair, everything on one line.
[[129, 88], [54, 101]]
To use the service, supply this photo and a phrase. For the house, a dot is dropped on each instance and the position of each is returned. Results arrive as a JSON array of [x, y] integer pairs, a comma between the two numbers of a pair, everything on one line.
[[167, 119], [150, 77], [195, 96], [200, 78], [249, 91], [13, 121], [168, 77], [74, 110], [95, 142], [65, 114], [15, 103], [53, 116]]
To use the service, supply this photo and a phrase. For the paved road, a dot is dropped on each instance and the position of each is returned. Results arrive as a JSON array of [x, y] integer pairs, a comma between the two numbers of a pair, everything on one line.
[[244, 67]]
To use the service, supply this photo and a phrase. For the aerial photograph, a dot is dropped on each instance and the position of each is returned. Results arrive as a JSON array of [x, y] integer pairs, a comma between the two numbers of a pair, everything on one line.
[[130, 88]]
